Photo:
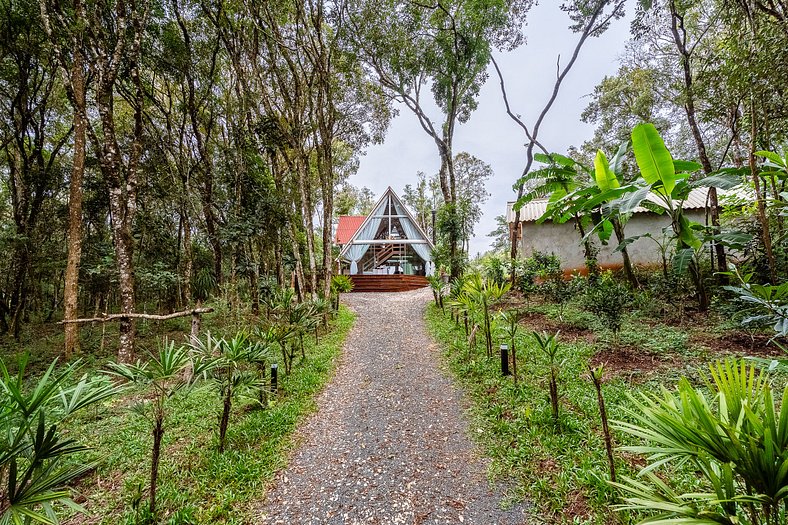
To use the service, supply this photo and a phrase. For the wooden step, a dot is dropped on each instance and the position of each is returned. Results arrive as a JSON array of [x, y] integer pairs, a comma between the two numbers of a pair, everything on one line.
[[387, 283]]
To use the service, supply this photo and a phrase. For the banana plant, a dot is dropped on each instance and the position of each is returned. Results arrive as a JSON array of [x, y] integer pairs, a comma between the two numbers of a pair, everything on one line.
[[37, 462], [664, 184], [560, 178], [592, 199]]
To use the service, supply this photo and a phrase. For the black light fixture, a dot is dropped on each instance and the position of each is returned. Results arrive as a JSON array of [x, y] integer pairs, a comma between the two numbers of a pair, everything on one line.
[[505, 360], [274, 378]]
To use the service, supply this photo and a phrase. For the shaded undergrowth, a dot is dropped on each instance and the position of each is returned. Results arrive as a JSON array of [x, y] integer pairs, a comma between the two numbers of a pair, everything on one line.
[[197, 483]]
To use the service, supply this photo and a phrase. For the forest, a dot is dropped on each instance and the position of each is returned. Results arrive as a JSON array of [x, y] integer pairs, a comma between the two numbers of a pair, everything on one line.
[[172, 170]]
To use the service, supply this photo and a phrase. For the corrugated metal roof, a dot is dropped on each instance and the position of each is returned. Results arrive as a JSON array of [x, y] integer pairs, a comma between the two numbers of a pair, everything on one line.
[[531, 211], [347, 227]]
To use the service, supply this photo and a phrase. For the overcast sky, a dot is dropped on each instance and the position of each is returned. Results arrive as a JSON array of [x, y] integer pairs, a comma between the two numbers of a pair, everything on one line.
[[490, 135]]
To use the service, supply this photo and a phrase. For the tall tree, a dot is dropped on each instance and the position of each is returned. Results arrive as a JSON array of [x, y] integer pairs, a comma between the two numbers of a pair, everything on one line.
[[590, 18], [445, 47], [33, 135], [114, 40], [64, 36]]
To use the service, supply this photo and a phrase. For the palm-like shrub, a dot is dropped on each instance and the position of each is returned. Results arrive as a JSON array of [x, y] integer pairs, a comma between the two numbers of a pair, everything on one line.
[[167, 373], [36, 460], [485, 294], [736, 439], [340, 284], [548, 345], [232, 371], [438, 286]]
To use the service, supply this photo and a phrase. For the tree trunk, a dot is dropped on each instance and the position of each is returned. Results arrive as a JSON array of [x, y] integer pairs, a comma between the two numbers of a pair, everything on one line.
[[71, 287], [225, 421], [618, 229], [299, 268], [605, 427], [158, 434], [766, 236], [307, 212], [188, 256], [680, 39]]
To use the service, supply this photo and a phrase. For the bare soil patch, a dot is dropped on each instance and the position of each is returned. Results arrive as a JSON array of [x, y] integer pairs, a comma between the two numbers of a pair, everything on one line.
[[541, 323], [738, 344], [623, 360]]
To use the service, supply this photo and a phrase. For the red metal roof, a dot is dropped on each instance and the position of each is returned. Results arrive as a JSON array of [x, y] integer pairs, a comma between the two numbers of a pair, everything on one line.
[[347, 227]]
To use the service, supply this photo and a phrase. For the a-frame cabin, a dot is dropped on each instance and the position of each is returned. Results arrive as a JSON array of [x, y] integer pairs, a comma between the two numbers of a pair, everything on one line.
[[387, 250]]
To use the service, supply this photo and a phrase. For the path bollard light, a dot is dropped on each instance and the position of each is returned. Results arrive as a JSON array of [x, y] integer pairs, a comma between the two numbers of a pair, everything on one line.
[[505, 360], [274, 373]]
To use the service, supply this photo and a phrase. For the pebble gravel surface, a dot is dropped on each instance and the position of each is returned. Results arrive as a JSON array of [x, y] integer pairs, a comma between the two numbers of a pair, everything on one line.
[[389, 443]]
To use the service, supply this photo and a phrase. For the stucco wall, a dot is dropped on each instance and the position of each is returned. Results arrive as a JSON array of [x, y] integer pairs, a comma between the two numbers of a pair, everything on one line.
[[564, 241]]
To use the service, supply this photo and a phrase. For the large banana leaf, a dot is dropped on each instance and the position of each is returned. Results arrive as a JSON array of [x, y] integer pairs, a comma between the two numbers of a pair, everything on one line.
[[653, 159], [604, 176]]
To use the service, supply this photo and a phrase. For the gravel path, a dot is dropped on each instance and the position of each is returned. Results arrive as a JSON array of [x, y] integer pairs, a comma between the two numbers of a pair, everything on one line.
[[389, 443]]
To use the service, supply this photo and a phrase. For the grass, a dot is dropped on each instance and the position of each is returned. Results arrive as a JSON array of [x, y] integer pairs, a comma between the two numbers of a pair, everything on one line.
[[564, 470], [196, 483]]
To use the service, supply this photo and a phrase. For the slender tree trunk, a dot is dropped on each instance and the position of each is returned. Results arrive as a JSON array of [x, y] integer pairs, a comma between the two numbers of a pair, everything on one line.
[[554, 394], [71, 287], [618, 229], [605, 427], [766, 236], [307, 212], [188, 256], [299, 268], [680, 39], [225, 421], [158, 434]]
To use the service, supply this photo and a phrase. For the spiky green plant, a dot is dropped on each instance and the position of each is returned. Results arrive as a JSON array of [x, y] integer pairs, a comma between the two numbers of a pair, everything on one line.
[[438, 287], [36, 461], [735, 439], [232, 372], [340, 284], [165, 374], [485, 294], [549, 346]]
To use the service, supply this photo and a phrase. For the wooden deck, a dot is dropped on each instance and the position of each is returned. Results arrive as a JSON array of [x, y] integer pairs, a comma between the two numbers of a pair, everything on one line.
[[387, 283]]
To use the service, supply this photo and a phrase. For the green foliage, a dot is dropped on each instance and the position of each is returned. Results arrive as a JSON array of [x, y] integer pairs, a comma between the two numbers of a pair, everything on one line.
[[496, 270], [538, 265], [164, 375], [232, 372], [450, 228], [438, 287], [549, 346], [223, 488], [736, 439], [609, 300], [763, 304], [204, 284], [480, 295], [38, 460], [340, 284]]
